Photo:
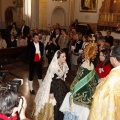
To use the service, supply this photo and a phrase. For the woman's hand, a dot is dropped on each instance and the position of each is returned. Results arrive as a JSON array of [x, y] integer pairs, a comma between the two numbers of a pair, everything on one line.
[[100, 80], [21, 108], [54, 41], [52, 96], [15, 109]]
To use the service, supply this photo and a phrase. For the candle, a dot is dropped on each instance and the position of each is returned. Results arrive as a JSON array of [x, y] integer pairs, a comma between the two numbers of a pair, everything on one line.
[[105, 16], [112, 17], [108, 17]]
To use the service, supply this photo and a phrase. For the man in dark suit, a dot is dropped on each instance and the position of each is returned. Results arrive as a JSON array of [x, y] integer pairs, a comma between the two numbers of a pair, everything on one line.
[[108, 38], [24, 29], [35, 52], [52, 32], [57, 36]]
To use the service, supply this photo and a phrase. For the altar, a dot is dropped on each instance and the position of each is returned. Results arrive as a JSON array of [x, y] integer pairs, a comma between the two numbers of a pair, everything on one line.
[[109, 17], [115, 35]]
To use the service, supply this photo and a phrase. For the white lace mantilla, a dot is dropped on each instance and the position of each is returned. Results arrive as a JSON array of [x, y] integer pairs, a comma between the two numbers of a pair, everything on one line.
[[42, 96]]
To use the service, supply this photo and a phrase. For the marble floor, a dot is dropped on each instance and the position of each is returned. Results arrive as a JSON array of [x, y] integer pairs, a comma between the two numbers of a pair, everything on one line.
[[20, 70]]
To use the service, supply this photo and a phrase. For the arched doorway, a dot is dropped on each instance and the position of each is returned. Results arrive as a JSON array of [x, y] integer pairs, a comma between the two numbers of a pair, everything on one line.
[[9, 15], [58, 16]]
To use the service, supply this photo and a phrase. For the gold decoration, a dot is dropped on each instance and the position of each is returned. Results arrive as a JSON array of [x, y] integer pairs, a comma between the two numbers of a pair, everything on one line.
[[47, 113], [90, 51]]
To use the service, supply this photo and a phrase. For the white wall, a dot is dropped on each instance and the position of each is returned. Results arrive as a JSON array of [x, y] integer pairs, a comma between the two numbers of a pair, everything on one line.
[[52, 5], [59, 17], [5, 4], [87, 16]]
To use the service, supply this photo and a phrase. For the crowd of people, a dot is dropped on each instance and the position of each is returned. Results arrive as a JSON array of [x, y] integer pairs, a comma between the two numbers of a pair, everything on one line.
[[94, 92], [13, 36]]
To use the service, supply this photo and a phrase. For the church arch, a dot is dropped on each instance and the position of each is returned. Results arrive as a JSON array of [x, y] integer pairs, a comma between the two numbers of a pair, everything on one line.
[[58, 16]]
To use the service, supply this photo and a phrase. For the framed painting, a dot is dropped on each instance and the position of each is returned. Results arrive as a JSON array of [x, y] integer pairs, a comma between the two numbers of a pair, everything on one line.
[[88, 5]]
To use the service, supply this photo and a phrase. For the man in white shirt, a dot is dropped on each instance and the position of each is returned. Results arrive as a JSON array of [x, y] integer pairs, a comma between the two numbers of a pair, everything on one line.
[[35, 53], [24, 29]]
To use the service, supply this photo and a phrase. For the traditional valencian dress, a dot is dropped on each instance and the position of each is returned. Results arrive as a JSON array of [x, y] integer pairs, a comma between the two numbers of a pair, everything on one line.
[[106, 99], [77, 102], [54, 82]]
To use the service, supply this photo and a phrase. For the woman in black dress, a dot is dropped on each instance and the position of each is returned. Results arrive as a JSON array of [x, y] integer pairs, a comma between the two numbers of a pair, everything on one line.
[[53, 88]]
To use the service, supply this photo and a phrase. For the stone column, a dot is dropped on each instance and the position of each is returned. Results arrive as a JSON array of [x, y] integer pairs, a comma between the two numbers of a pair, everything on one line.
[[43, 14], [71, 10]]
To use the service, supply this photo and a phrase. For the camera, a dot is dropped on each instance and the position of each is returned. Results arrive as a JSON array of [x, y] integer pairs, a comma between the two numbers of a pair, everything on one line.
[[12, 84]]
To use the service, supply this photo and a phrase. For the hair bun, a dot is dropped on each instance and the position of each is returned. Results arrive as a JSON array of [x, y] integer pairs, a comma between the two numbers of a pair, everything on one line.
[[90, 51]]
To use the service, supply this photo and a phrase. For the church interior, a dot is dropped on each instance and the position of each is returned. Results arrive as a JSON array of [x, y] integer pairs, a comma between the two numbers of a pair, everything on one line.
[[87, 18]]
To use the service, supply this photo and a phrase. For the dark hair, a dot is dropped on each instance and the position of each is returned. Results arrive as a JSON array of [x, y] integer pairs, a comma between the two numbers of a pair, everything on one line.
[[63, 29], [106, 54], [116, 52], [23, 21], [79, 33], [57, 29], [109, 31], [102, 39], [100, 34], [60, 52], [90, 36], [35, 34], [58, 24], [8, 100], [76, 20], [86, 37], [12, 35]]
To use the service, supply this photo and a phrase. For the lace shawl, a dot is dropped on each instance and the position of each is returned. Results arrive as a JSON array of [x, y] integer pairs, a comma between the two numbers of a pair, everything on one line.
[[42, 96]]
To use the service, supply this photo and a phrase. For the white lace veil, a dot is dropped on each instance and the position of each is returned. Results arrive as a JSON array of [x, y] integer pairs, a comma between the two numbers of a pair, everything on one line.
[[42, 95]]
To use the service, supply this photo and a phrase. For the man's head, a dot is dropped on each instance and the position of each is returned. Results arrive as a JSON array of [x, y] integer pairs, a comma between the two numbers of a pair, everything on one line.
[[35, 37], [115, 56], [99, 34], [108, 32], [57, 25], [57, 31], [23, 22], [74, 31], [51, 27]]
